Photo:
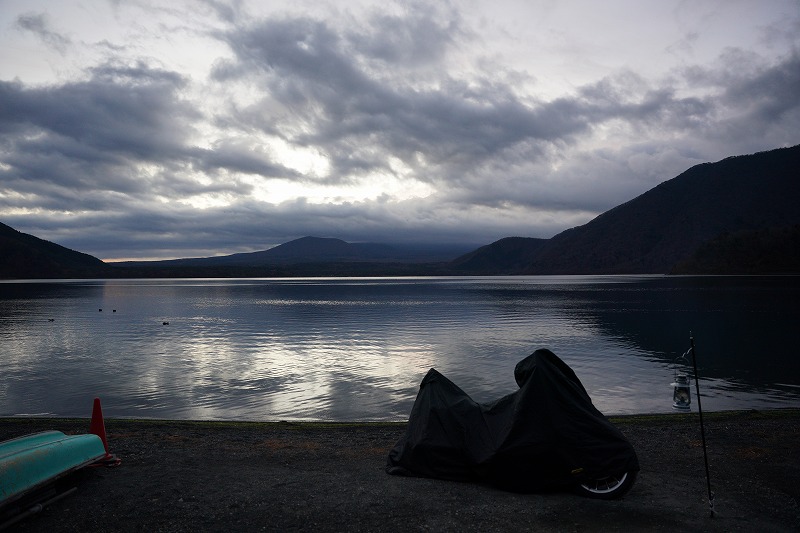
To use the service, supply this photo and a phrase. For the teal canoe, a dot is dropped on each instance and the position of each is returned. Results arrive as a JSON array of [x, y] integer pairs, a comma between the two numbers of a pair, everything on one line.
[[30, 462]]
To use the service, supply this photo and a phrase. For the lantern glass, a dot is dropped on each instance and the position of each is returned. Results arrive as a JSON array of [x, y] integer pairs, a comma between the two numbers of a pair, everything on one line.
[[681, 397]]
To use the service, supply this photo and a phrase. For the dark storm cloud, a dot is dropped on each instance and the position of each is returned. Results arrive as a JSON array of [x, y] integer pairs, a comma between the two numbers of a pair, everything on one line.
[[675, 131], [332, 98], [38, 25], [339, 91], [770, 95], [753, 99], [631, 98], [227, 11], [125, 130], [154, 159], [131, 113], [74, 146], [416, 39], [234, 157]]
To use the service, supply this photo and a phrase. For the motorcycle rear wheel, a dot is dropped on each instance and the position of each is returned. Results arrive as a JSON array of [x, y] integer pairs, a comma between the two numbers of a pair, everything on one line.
[[607, 487]]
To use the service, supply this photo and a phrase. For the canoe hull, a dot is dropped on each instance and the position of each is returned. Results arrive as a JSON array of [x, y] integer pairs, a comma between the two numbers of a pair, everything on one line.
[[30, 462]]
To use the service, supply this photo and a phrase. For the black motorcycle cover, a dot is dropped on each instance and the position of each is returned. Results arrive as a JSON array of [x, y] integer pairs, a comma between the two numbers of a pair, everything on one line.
[[547, 433]]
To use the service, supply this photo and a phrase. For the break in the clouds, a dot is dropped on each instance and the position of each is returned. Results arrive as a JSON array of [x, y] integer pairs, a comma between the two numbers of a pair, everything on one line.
[[146, 130]]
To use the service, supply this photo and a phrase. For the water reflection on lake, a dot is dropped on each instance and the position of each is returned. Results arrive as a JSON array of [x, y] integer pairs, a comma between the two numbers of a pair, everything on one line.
[[356, 349]]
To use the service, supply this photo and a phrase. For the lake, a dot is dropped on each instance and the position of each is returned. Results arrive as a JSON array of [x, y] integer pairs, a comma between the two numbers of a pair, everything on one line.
[[356, 348]]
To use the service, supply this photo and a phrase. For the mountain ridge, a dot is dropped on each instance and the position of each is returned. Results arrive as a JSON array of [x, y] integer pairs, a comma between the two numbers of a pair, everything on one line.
[[506, 256], [665, 225], [30, 257], [712, 218], [311, 249]]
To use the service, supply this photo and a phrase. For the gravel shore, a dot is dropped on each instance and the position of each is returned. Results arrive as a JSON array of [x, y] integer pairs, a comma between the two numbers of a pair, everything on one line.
[[241, 476]]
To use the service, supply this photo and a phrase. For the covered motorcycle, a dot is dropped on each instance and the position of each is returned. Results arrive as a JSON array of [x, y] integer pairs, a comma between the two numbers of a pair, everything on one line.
[[546, 434]]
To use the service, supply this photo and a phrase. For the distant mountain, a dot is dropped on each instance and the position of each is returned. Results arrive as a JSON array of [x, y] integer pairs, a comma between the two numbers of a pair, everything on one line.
[[506, 256], [27, 257], [738, 215], [307, 250], [667, 225], [314, 250]]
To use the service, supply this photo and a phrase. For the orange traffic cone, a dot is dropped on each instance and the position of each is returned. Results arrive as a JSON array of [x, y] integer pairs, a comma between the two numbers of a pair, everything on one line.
[[98, 427]]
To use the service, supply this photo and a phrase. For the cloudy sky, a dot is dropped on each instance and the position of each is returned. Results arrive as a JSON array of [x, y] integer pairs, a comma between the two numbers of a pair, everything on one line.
[[148, 129]]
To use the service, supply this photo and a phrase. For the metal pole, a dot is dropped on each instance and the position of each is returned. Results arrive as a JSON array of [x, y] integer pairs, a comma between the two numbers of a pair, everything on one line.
[[702, 427]]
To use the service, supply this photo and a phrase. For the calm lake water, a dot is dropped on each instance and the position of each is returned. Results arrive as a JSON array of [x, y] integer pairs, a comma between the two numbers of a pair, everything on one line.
[[357, 348]]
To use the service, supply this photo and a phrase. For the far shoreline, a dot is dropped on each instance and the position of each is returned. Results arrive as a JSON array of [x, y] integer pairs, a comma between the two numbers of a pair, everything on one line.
[[622, 419]]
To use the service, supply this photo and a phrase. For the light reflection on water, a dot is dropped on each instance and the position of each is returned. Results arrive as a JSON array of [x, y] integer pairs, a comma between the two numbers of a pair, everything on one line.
[[356, 349]]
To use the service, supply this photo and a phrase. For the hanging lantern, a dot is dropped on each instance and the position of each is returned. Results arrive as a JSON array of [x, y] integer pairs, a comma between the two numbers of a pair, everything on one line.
[[681, 397]]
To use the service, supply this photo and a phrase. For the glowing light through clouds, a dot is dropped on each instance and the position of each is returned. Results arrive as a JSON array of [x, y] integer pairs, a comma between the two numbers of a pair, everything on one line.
[[156, 130]]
